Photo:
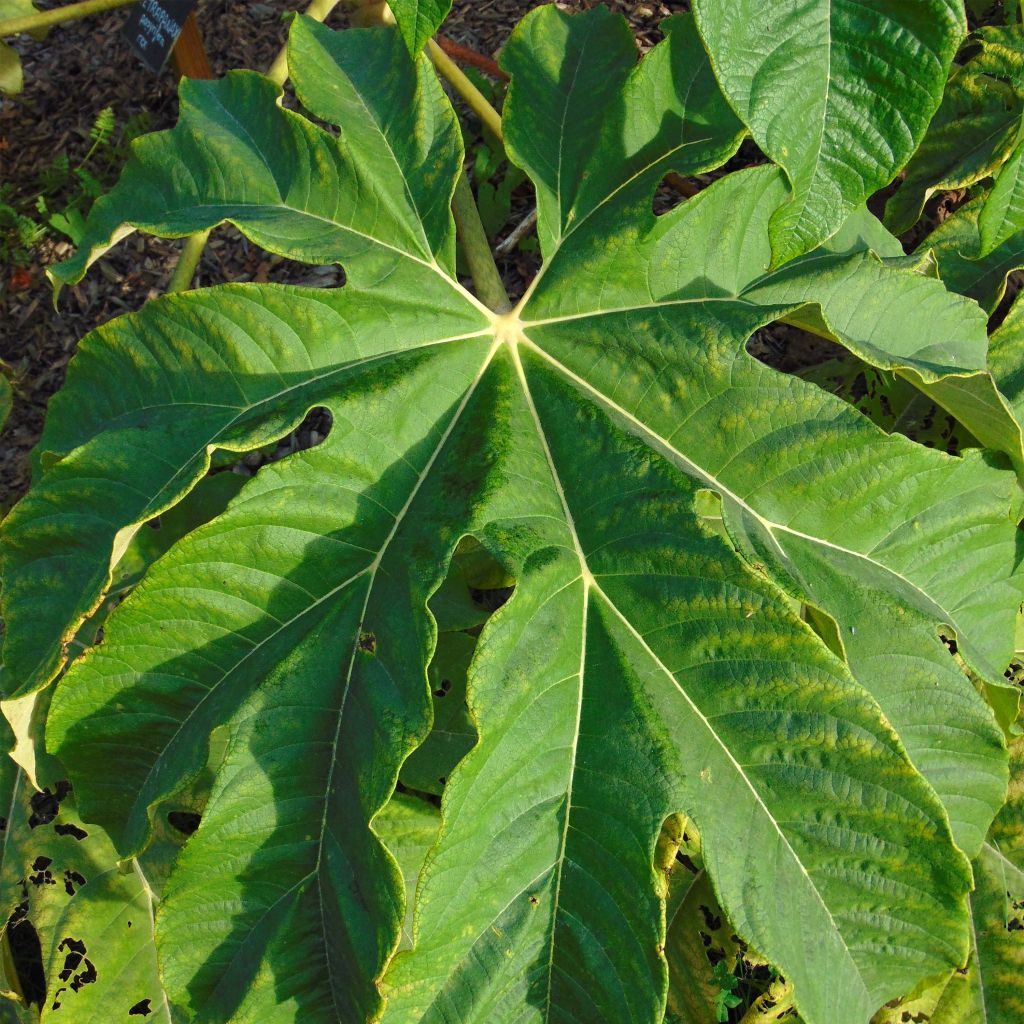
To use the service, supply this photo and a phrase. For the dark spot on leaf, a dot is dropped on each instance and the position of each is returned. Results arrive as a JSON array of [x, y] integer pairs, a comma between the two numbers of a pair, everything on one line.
[[185, 822], [42, 876], [140, 1009], [442, 690], [27, 956], [46, 805], [71, 880], [75, 946], [711, 921], [70, 830], [368, 643], [491, 600], [534, 901], [86, 977], [687, 863], [78, 968]]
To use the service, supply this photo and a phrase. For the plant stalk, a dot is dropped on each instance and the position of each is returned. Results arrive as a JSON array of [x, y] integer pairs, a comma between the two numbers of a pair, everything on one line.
[[465, 88], [188, 261], [59, 15], [518, 233], [477, 249], [464, 55]]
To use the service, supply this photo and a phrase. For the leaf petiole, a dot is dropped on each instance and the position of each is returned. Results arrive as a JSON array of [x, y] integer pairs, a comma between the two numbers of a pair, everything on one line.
[[460, 82], [477, 249], [58, 16]]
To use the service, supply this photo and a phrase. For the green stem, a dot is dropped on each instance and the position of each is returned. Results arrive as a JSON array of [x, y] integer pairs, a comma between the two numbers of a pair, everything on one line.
[[318, 10], [191, 253], [477, 249], [70, 12], [465, 88]]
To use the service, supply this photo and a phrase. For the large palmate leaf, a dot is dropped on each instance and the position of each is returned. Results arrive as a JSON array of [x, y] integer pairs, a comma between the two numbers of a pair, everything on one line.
[[973, 132], [268, 169], [645, 665], [838, 93]]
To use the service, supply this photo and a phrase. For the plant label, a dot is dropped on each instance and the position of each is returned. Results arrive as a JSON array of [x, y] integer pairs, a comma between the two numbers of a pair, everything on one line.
[[153, 27]]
